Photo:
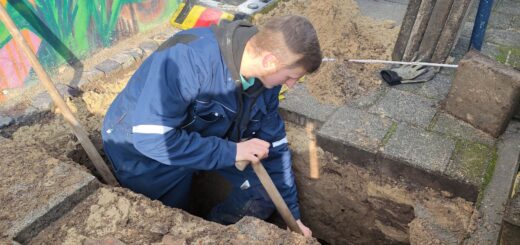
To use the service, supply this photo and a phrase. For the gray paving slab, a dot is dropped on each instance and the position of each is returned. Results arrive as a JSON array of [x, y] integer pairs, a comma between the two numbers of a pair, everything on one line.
[[148, 47], [126, 60], [43, 100], [35, 190], [470, 162], [447, 124], [5, 121], [437, 88], [496, 194], [93, 75], [419, 148], [299, 105], [366, 101], [354, 134], [137, 53], [109, 67], [405, 107], [384, 9]]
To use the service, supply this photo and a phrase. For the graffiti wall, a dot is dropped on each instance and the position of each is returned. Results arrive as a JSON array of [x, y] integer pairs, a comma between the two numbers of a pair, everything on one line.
[[61, 31]]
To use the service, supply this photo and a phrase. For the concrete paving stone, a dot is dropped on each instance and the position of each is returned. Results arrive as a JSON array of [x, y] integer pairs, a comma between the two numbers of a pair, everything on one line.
[[484, 93], [137, 53], [469, 162], [368, 100], [500, 21], [93, 75], [354, 134], [504, 37], [495, 196], [5, 121], [298, 101], [419, 148], [384, 10], [43, 100], [405, 107], [410, 87], [506, 7], [126, 60], [36, 190], [447, 124], [109, 67], [437, 88], [148, 47]]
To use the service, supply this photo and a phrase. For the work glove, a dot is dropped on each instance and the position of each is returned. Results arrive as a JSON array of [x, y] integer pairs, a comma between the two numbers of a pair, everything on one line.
[[407, 74]]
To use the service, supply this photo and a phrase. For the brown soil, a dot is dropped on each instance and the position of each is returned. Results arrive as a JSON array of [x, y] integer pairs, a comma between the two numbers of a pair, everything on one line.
[[344, 34]]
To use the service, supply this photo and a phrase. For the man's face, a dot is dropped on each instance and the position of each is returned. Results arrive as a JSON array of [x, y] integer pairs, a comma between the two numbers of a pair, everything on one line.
[[287, 76]]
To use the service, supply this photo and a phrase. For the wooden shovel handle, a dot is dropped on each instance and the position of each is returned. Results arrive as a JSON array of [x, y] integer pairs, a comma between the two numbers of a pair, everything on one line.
[[273, 193]]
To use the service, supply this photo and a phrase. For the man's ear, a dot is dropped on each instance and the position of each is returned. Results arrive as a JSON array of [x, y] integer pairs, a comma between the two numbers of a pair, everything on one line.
[[270, 63]]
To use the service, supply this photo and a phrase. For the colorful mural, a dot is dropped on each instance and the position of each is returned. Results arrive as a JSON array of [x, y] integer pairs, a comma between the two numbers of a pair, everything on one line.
[[61, 31]]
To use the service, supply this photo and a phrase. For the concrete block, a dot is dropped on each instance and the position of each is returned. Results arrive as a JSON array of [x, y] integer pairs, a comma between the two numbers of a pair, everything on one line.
[[148, 47], [126, 60], [356, 133], [513, 211], [405, 107], [137, 53], [419, 148], [484, 93], [447, 124], [5, 121], [43, 100], [298, 101], [36, 190], [109, 67], [93, 75]]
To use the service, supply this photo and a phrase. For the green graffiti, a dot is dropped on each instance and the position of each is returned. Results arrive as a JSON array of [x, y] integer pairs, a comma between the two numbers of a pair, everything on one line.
[[72, 29]]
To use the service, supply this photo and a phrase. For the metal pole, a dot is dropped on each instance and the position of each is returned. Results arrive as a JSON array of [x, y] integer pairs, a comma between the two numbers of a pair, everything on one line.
[[481, 21], [78, 130]]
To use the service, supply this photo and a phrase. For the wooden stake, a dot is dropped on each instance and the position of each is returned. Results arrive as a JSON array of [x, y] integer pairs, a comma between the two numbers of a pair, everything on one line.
[[313, 152], [78, 130]]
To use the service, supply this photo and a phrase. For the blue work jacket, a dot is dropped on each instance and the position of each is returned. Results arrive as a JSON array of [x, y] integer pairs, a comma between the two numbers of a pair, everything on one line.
[[174, 115]]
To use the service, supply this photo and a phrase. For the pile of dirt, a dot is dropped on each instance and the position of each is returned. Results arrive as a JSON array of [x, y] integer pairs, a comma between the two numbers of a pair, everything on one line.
[[119, 216], [344, 34]]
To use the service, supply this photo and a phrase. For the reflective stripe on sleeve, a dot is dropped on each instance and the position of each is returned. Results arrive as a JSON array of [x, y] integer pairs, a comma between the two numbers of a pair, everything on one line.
[[280, 142], [150, 129]]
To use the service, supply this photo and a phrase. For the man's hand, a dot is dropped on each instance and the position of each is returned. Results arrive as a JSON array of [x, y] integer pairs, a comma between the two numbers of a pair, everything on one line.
[[306, 231], [252, 150]]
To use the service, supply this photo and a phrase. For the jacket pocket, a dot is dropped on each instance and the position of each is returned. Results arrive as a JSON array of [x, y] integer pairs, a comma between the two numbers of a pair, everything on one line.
[[208, 118]]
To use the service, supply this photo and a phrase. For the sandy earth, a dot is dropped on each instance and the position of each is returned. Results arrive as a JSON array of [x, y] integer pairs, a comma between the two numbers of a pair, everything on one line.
[[118, 216], [344, 34]]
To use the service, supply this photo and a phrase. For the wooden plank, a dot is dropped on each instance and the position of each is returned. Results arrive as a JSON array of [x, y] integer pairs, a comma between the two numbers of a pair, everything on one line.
[[451, 30], [406, 29], [438, 18], [421, 21]]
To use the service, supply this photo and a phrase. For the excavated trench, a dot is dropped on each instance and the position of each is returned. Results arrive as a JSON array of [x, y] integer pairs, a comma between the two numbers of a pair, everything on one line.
[[347, 204]]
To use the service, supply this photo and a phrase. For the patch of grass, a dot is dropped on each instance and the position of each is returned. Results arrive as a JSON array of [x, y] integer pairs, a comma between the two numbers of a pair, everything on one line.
[[389, 133], [487, 177], [511, 53]]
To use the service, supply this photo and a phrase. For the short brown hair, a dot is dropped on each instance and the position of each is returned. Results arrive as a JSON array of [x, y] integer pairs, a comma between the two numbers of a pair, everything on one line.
[[299, 36]]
